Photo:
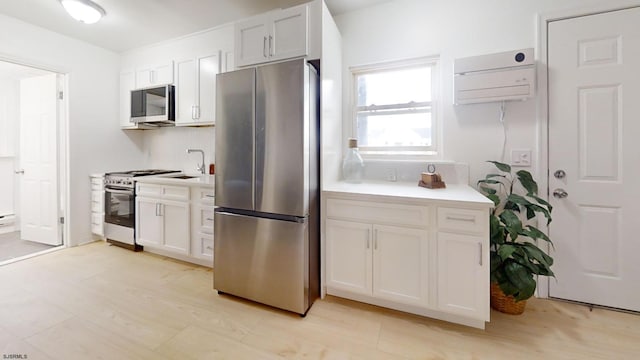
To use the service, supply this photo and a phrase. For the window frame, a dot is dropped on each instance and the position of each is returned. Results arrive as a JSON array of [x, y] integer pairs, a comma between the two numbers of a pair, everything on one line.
[[400, 152]]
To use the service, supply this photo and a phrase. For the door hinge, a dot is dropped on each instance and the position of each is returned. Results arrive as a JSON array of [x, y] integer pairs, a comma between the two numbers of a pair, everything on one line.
[[60, 95], [61, 219]]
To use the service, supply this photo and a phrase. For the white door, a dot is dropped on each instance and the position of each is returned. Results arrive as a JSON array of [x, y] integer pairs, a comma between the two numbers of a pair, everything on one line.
[[38, 159], [127, 83], [251, 41], [149, 222], [349, 256], [400, 264], [208, 68], [594, 132], [186, 91], [175, 215], [462, 276], [288, 36]]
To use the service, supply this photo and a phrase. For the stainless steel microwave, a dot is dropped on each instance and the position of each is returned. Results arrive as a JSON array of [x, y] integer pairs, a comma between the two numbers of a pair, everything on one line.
[[154, 106]]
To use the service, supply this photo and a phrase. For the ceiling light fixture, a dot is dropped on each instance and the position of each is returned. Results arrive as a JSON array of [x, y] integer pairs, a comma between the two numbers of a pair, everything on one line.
[[85, 11]]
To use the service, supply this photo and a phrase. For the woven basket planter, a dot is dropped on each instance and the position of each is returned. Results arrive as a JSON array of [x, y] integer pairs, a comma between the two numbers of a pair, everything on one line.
[[505, 304]]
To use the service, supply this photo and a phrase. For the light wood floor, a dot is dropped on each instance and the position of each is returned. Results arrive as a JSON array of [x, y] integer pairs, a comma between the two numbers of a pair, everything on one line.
[[97, 301]]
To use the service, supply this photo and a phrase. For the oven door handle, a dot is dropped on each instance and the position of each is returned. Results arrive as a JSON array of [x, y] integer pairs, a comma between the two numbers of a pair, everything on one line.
[[115, 191]]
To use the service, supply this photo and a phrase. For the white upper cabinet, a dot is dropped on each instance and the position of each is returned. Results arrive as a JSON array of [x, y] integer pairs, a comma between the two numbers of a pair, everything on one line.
[[127, 83], [276, 35], [151, 75], [195, 90]]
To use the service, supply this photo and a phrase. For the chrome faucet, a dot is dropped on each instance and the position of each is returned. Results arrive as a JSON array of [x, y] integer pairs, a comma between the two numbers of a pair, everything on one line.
[[199, 167]]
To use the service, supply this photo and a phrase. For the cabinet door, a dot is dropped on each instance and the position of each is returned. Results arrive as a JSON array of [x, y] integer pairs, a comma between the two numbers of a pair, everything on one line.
[[251, 41], [400, 264], [154, 75], [163, 74], [208, 68], [463, 277], [176, 226], [228, 61], [186, 85], [349, 256], [148, 222], [127, 83], [288, 33]]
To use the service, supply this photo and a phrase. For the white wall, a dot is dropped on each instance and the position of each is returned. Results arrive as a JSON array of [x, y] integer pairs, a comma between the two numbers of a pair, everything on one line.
[[404, 29], [8, 133], [95, 141], [166, 147]]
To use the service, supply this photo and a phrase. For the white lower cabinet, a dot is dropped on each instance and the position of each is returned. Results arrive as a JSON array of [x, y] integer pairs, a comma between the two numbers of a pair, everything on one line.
[[348, 256], [176, 221], [375, 259], [202, 201], [430, 260], [378, 261], [400, 264], [97, 205], [160, 222], [462, 282]]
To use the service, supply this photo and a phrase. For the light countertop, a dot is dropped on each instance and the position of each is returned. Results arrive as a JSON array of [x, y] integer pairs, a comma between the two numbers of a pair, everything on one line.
[[410, 191], [198, 180]]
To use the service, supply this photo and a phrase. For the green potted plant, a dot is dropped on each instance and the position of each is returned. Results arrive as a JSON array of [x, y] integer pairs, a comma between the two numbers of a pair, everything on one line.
[[515, 258]]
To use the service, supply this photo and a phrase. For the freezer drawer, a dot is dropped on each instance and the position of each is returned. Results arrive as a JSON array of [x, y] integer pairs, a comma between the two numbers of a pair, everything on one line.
[[263, 260]]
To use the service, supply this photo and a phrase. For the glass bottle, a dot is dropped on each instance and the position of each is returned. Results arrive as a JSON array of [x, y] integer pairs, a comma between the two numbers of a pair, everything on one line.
[[353, 165]]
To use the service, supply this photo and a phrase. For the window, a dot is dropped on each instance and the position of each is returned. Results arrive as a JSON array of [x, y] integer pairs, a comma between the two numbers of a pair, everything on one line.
[[394, 109]]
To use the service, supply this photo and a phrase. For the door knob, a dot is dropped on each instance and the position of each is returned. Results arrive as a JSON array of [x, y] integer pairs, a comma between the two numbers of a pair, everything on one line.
[[21, 171], [559, 174], [560, 193]]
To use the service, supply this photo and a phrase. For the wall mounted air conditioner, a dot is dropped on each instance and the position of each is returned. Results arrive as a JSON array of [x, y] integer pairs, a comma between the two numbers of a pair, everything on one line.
[[495, 77]]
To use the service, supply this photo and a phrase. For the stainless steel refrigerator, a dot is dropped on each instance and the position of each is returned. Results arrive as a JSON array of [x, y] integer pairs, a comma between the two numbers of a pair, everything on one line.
[[266, 243]]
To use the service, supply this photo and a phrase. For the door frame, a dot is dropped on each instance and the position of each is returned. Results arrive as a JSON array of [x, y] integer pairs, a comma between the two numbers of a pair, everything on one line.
[[63, 136], [542, 23]]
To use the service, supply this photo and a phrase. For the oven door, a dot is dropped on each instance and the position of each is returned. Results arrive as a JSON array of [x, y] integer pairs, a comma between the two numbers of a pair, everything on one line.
[[119, 207]]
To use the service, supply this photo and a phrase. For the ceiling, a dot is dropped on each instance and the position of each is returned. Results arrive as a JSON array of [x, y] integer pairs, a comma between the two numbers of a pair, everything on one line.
[[134, 23]]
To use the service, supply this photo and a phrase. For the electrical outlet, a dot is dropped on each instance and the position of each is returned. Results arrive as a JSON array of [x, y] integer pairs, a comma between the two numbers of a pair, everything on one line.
[[392, 175], [521, 157]]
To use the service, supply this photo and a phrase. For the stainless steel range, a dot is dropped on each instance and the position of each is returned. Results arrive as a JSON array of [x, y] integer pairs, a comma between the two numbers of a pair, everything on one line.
[[119, 206]]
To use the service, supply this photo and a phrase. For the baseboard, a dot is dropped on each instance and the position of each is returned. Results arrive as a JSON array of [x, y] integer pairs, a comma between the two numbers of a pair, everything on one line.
[[7, 224]]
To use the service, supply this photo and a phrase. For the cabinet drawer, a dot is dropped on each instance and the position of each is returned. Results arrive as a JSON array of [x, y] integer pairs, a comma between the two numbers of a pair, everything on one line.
[[148, 190], [381, 213], [97, 229], [97, 201], [97, 183], [163, 191], [205, 222], [462, 220], [176, 193], [203, 246], [203, 195], [97, 219]]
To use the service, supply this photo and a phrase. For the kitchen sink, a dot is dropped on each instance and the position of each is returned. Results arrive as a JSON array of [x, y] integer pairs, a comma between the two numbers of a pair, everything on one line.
[[180, 176]]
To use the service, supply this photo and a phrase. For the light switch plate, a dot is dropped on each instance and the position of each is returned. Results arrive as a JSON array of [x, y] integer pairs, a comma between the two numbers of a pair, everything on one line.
[[521, 157]]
